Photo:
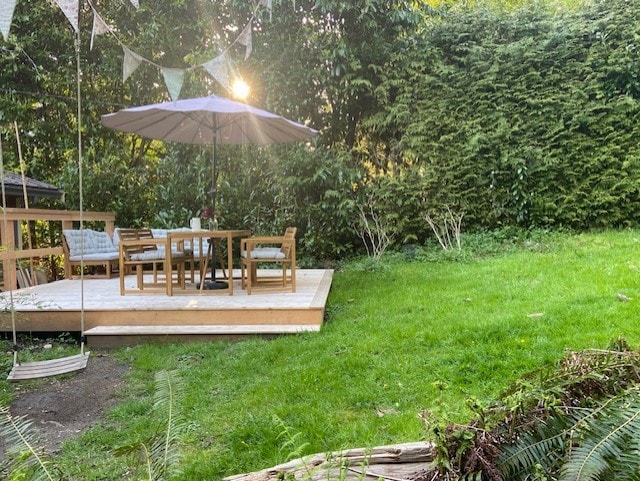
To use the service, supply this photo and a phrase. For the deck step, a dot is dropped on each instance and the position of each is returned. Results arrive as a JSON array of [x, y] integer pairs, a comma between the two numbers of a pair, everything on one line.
[[200, 330]]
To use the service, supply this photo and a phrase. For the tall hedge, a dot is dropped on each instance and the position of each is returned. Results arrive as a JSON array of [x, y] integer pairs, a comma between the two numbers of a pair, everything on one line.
[[526, 117]]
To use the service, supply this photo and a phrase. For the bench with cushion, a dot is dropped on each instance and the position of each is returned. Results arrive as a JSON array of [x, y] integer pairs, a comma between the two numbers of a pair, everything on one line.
[[90, 248]]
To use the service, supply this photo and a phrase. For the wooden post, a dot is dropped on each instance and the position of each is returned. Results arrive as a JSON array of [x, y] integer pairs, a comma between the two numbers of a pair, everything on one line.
[[9, 262]]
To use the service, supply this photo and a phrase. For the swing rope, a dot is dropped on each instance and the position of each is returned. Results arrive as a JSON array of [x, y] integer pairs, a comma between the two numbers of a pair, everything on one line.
[[9, 272], [80, 188]]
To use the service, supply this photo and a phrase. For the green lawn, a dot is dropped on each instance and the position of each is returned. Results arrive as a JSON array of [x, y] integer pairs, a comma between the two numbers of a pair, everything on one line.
[[431, 333]]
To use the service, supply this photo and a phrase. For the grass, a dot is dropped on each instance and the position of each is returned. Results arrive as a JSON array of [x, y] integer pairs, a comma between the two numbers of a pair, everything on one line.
[[399, 337]]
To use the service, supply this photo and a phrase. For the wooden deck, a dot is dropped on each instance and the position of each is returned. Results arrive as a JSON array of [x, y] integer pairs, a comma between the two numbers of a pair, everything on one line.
[[113, 320]]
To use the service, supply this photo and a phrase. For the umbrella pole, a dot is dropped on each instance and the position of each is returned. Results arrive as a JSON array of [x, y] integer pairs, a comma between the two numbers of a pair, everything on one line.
[[214, 284], [214, 174]]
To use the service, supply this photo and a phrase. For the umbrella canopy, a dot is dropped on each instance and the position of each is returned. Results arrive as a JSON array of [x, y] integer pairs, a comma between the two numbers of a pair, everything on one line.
[[207, 120]]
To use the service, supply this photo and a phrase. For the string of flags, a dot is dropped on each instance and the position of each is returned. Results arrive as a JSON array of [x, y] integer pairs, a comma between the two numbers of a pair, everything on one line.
[[218, 67]]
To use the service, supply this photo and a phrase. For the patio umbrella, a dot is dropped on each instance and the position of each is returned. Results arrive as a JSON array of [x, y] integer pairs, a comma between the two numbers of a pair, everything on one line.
[[210, 121], [207, 120]]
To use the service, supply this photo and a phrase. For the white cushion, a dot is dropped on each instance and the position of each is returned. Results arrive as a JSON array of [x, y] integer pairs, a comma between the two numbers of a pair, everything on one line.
[[265, 253], [162, 233], [148, 256], [155, 255], [111, 256], [188, 248], [159, 233], [88, 242], [116, 238]]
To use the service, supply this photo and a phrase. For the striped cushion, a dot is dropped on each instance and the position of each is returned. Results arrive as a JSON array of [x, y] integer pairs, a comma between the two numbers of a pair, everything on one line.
[[109, 256], [154, 256], [265, 253]]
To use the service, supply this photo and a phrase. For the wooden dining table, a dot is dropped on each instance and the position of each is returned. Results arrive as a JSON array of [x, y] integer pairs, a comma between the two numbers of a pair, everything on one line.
[[213, 236]]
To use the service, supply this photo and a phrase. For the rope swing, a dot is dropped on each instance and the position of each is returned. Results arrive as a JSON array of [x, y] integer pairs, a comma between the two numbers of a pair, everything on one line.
[[53, 367]]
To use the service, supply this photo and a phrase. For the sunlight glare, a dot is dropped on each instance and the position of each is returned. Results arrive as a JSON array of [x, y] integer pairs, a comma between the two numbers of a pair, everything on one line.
[[240, 89]]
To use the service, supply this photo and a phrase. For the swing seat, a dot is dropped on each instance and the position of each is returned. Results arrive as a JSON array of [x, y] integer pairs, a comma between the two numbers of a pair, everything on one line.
[[53, 367]]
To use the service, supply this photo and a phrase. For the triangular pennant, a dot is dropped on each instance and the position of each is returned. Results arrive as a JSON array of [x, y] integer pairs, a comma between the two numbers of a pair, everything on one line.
[[130, 64], [219, 69], [99, 28], [246, 39], [173, 78], [135, 3], [70, 10], [6, 15]]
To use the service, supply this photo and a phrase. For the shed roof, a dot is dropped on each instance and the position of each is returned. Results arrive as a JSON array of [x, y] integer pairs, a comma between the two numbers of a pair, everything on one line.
[[35, 188]]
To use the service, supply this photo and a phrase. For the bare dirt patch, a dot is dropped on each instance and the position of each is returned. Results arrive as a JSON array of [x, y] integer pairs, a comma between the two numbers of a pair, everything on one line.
[[63, 407]]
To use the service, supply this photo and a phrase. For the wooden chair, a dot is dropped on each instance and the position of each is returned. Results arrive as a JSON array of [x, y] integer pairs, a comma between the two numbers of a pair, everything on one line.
[[187, 246], [195, 253], [138, 248], [279, 250]]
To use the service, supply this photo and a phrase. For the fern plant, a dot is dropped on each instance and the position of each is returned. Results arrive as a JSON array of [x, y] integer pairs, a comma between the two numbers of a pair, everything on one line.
[[577, 422], [610, 450], [595, 444], [292, 445], [28, 460], [160, 453]]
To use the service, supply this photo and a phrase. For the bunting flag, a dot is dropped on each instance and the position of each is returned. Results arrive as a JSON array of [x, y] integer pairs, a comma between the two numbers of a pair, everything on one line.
[[173, 79], [136, 4], [99, 28], [246, 39], [219, 69], [70, 10], [130, 64], [6, 15]]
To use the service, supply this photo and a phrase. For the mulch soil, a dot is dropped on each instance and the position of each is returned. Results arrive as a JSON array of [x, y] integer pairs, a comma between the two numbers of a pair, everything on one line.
[[63, 407]]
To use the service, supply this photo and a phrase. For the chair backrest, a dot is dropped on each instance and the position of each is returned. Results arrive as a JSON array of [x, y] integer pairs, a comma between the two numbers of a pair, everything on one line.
[[147, 234], [289, 241], [136, 234]]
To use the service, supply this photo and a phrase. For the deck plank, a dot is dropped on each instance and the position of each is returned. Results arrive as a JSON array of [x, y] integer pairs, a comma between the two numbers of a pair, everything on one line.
[[198, 330]]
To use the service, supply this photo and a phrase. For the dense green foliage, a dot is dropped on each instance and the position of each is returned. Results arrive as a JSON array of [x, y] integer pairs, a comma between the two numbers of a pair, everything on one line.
[[524, 117], [515, 113]]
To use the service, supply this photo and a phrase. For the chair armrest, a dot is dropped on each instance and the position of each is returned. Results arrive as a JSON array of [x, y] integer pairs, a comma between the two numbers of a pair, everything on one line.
[[251, 242]]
